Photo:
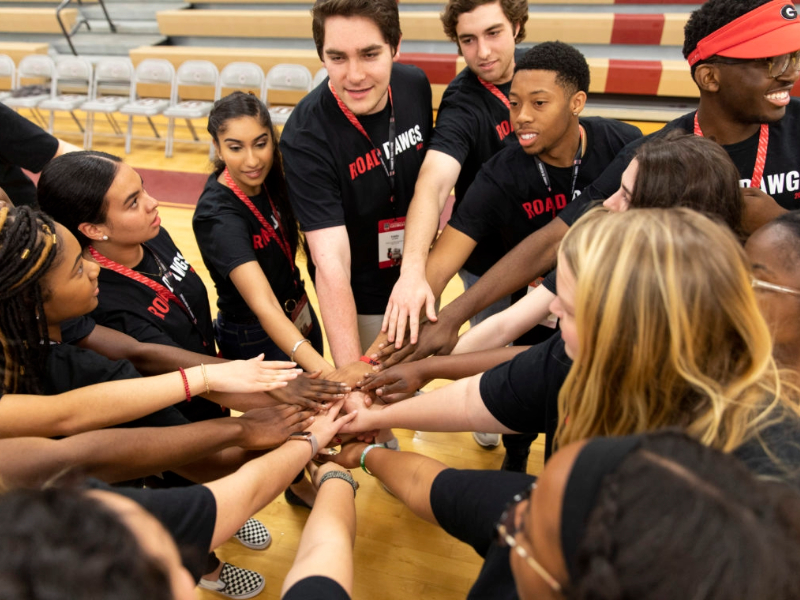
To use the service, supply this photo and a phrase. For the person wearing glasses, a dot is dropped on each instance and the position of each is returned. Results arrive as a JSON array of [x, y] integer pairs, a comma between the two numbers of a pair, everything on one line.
[[744, 61], [773, 252], [647, 516]]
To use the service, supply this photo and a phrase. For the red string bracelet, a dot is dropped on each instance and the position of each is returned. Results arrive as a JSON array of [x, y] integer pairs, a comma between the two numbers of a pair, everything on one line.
[[369, 361], [186, 384]]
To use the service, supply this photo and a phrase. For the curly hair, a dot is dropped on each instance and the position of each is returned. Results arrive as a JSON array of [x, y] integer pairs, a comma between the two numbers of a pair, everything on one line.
[[516, 11], [572, 70], [63, 544], [675, 507], [711, 16]]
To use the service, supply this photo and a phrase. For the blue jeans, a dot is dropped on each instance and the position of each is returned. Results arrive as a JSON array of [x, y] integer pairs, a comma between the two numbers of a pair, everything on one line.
[[237, 341]]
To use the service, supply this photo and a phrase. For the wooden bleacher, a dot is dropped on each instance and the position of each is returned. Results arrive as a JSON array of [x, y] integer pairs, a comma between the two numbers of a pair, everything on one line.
[[34, 20]]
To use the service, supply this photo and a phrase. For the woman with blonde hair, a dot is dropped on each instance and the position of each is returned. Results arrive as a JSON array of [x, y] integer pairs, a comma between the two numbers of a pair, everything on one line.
[[658, 314], [667, 333]]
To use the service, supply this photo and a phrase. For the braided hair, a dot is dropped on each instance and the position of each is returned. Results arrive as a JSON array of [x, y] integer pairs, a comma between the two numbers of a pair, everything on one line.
[[28, 247], [681, 520]]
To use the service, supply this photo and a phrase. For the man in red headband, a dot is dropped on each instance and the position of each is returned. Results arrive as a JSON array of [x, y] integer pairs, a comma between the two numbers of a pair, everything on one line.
[[744, 59]]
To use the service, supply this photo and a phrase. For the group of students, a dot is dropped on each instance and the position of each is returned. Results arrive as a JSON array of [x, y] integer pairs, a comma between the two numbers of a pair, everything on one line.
[[659, 359]]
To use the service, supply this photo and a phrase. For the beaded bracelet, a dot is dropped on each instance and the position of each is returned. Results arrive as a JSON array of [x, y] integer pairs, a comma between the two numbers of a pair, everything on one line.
[[186, 385], [345, 475], [364, 457], [205, 377]]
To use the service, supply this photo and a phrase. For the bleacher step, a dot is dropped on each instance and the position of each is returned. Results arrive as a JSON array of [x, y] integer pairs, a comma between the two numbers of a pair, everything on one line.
[[111, 44], [130, 11]]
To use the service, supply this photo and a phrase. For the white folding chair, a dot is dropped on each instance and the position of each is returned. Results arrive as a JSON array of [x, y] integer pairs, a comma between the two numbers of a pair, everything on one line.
[[74, 73], [319, 77], [244, 76], [111, 89], [288, 77], [192, 73], [7, 70], [33, 66], [150, 71]]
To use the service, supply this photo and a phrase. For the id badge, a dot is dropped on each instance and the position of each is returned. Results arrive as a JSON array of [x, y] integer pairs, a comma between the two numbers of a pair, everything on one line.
[[390, 242], [550, 320], [301, 316]]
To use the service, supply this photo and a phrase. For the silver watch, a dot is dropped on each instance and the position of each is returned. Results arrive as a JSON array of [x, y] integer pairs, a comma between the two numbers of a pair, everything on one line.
[[309, 437]]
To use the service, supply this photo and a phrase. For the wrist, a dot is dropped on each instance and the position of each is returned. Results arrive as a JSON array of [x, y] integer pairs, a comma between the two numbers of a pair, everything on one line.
[[307, 437], [339, 476]]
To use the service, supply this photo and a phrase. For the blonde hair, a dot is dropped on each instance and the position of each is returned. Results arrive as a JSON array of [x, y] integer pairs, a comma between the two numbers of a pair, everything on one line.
[[669, 331]]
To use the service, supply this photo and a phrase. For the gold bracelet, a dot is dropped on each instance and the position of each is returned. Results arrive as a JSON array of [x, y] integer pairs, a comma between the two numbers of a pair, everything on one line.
[[205, 377]]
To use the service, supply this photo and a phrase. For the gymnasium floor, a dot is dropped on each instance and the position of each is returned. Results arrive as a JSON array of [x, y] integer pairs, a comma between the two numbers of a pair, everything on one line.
[[397, 555]]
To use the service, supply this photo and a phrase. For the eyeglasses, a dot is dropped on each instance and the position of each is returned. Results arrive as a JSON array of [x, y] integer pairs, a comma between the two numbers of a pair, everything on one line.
[[510, 526], [776, 66], [772, 287]]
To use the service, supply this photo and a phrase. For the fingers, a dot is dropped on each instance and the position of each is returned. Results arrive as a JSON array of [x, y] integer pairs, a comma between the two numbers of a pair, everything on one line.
[[268, 375], [268, 387], [401, 328], [399, 356], [392, 328], [372, 382], [394, 387], [325, 386], [301, 425], [278, 364], [430, 308], [413, 328], [387, 316]]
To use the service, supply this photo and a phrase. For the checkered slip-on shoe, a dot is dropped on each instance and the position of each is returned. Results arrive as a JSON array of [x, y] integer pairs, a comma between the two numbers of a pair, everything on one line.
[[254, 535], [235, 582]]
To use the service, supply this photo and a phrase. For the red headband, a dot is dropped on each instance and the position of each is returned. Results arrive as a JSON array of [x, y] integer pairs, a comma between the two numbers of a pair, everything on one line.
[[769, 30]]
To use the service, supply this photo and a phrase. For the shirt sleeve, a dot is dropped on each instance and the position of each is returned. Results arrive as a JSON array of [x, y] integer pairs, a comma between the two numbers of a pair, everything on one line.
[[316, 588], [223, 240], [312, 181], [468, 504], [455, 128], [23, 143], [523, 393], [138, 328], [479, 213], [189, 514]]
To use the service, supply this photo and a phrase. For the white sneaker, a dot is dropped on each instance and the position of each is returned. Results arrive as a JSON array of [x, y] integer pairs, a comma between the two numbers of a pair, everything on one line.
[[253, 535], [487, 440]]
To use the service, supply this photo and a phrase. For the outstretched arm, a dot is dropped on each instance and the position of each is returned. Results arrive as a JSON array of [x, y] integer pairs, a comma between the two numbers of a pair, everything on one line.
[[504, 327], [409, 377], [454, 407], [121, 454], [529, 259], [411, 293], [243, 493], [114, 402], [326, 547]]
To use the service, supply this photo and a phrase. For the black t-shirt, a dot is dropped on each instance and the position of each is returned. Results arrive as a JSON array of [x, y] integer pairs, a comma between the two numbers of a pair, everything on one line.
[[509, 195], [316, 587], [74, 330], [69, 367], [523, 393], [473, 125], [189, 514], [135, 309], [336, 178], [22, 144], [781, 178], [468, 504], [229, 235]]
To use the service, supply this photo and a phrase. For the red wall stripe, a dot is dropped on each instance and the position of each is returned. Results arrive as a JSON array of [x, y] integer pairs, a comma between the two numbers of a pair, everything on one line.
[[440, 68], [637, 29], [633, 77], [693, 2]]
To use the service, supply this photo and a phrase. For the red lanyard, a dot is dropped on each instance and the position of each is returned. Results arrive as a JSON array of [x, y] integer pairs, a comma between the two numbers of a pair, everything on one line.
[[496, 92], [389, 170], [160, 290], [761, 155], [282, 240]]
